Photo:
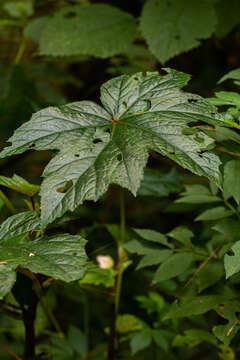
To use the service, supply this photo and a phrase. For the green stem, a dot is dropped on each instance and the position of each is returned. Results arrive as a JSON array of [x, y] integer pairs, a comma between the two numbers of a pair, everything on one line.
[[7, 202], [21, 50]]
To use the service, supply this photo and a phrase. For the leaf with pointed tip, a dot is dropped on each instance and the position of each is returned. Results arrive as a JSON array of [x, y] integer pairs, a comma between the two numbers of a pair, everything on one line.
[[232, 262], [171, 27], [19, 224], [99, 146], [19, 184], [61, 256]]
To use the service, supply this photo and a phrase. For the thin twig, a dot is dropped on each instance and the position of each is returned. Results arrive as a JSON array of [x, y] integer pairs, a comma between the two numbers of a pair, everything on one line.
[[10, 352], [204, 263]]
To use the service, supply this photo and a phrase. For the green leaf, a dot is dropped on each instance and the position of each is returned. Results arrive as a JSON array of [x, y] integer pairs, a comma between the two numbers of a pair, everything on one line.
[[35, 28], [19, 224], [78, 340], [100, 30], [194, 337], [127, 323], [234, 75], [143, 113], [61, 256], [19, 184], [153, 236], [175, 265], [155, 183], [140, 341], [19, 9], [182, 234], [227, 23], [162, 338], [173, 27], [232, 179], [194, 306], [232, 262], [229, 228], [155, 257], [226, 98], [209, 275], [216, 213], [97, 276], [7, 279]]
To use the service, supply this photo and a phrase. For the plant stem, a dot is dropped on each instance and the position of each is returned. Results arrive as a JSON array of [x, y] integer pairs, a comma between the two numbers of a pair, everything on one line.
[[118, 282], [21, 50], [29, 316]]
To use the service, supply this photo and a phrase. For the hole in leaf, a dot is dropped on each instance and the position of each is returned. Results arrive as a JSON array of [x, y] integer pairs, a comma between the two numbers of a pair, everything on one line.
[[70, 15], [230, 252], [192, 100], [32, 145], [76, 155], [108, 130], [66, 187], [98, 140], [135, 78], [119, 157], [172, 152]]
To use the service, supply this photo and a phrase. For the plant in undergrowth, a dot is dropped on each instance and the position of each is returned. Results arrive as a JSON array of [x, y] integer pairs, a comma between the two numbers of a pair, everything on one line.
[[92, 147]]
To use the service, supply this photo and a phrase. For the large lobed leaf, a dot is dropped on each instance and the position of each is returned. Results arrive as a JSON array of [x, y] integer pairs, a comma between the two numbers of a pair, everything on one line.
[[100, 30], [99, 145], [171, 27]]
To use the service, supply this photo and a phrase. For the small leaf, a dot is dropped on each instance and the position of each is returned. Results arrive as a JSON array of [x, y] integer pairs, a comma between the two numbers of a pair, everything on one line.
[[61, 256], [100, 30], [127, 323], [19, 184], [140, 341], [173, 27], [78, 340], [154, 258], [232, 263], [19, 9], [194, 337], [182, 234], [175, 265], [232, 179], [234, 74], [216, 213], [154, 236], [194, 306], [97, 276]]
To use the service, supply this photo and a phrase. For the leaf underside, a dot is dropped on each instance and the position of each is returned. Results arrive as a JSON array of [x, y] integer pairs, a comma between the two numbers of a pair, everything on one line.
[[99, 145]]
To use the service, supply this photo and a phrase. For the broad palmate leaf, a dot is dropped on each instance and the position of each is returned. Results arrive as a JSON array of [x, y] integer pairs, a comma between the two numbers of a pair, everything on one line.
[[110, 144], [61, 256], [171, 27]]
